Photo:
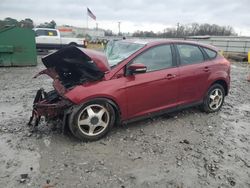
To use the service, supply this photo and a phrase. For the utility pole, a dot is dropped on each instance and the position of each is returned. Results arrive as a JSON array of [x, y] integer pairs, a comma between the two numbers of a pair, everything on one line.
[[177, 31], [87, 19], [119, 28]]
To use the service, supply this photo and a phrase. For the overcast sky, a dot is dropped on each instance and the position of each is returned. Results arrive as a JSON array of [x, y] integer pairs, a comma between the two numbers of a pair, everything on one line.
[[133, 14]]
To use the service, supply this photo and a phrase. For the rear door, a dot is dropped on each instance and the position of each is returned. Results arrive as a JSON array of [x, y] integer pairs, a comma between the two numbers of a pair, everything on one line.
[[158, 87], [194, 72]]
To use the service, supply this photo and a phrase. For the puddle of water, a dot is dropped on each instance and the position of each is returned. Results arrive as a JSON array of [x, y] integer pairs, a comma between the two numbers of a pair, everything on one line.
[[16, 162], [244, 107], [8, 111], [47, 142], [6, 108]]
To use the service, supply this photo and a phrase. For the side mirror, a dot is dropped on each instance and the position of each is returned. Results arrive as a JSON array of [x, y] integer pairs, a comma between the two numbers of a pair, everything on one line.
[[137, 68]]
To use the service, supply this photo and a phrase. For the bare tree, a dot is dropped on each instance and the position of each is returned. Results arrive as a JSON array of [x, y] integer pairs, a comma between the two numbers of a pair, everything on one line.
[[193, 29]]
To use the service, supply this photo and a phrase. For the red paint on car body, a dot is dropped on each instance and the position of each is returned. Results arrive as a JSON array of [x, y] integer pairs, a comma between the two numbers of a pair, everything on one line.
[[146, 93]]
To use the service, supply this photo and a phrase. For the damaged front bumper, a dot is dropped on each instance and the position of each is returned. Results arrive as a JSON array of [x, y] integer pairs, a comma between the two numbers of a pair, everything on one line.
[[49, 105], [68, 67]]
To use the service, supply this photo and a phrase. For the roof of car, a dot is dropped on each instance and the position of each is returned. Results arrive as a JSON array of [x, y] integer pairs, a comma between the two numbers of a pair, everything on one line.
[[40, 28], [153, 42]]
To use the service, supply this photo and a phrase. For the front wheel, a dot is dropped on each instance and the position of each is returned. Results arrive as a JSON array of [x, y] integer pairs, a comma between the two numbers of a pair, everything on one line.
[[92, 121], [214, 98]]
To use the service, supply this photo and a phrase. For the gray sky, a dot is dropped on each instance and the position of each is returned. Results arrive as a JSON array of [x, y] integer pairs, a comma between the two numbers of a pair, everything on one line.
[[134, 14]]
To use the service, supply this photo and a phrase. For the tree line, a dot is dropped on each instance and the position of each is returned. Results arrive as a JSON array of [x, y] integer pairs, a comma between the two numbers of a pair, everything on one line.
[[25, 23], [193, 29]]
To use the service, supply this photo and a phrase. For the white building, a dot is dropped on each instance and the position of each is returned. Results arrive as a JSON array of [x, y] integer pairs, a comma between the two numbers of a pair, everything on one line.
[[70, 31]]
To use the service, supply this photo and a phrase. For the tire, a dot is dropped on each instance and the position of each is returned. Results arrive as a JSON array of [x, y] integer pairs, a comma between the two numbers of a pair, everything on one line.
[[214, 98], [92, 121]]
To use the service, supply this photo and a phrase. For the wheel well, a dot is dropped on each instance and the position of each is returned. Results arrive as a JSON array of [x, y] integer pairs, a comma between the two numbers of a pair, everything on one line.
[[116, 108], [223, 84]]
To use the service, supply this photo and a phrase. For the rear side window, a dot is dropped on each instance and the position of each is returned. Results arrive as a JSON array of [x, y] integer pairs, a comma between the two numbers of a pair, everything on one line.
[[189, 54], [210, 53], [51, 33], [156, 58]]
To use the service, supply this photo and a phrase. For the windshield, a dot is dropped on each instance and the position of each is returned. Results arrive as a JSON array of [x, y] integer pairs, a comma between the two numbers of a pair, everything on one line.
[[116, 51]]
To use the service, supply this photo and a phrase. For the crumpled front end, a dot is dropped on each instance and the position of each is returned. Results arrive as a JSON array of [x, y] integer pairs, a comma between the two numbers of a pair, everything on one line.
[[50, 105], [68, 67]]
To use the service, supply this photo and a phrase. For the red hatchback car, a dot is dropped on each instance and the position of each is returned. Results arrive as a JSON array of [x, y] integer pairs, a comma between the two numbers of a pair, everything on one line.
[[131, 80]]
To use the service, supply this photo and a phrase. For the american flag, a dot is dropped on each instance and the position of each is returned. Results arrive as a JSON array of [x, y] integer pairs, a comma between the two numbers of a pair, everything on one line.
[[90, 14]]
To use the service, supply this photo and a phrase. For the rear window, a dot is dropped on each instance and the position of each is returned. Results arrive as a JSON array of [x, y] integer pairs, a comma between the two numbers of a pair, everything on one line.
[[41, 32], [211, 54]]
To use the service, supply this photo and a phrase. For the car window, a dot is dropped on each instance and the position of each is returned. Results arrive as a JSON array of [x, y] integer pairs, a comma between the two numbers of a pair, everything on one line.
[[211, 54], [156, 58], [51, 33], [40, 33], [46, 32], [117, 51], [189, 54]]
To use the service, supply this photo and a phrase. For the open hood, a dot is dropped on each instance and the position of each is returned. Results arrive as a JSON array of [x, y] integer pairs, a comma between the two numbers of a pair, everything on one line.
[[76, 65]]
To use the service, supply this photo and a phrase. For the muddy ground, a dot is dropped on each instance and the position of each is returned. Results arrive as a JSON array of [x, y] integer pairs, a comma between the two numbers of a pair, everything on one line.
[[183, 149]]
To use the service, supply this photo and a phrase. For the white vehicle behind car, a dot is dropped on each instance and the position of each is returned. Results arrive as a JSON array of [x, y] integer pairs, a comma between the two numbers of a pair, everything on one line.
[[51, 39]]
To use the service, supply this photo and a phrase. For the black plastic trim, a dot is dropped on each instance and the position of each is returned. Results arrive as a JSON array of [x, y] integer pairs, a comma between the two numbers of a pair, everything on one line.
[[165, 111]]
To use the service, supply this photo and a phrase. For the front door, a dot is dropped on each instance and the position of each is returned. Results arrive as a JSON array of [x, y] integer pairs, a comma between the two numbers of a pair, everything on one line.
[[155, 89]]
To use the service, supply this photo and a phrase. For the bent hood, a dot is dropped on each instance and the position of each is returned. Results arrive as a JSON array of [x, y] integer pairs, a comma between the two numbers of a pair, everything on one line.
[[74, 55], [76, 65]]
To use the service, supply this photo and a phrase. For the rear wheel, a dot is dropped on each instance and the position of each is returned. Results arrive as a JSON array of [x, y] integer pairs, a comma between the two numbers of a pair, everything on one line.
[[214, 98], [92, 121]]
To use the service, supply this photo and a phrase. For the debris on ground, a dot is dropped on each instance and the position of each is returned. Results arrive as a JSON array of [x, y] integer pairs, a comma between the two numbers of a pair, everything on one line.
[[24, 178], [188, 148], [185, 141], [48, 185]]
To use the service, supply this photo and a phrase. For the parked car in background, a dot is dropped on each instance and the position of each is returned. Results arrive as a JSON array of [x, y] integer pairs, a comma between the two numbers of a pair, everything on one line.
[[51, 39], [132, 80]]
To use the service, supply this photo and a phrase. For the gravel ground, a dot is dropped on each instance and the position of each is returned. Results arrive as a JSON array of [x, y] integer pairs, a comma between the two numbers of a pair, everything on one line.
[[182, 149]]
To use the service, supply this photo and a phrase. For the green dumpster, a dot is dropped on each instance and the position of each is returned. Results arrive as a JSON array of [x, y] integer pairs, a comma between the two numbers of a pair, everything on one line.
[[17, 47]]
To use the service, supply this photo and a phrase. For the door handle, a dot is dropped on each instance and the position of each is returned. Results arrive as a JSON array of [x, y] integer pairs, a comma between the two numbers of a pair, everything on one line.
[[170, 76], [206, 69]]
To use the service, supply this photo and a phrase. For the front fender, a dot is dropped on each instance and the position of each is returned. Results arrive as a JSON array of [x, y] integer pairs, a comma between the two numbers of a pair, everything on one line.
[[82, 94]]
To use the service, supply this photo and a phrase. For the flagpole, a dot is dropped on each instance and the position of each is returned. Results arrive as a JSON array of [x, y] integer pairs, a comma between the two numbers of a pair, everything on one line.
[[87, 18]]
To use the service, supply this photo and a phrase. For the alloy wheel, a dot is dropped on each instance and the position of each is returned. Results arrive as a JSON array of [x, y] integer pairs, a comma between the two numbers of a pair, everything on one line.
[[93, 120], [215, 99]]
